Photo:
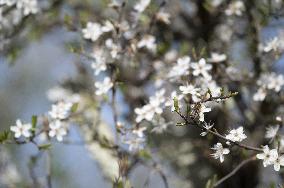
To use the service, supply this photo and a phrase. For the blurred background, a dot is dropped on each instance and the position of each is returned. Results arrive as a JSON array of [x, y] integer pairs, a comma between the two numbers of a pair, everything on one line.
[[41, 60]]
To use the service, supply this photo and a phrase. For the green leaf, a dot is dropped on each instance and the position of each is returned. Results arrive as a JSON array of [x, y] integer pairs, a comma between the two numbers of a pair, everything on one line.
[[145, 154], [34, 123], [176, 106], [4, 136], [44, 146], [120, 184], [74, 107]]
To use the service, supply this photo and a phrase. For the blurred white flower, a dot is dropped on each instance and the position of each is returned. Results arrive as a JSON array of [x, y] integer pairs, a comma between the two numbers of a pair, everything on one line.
[[268, 81], [142, 5], [107, 27], [57, 129], [216, 58], [134, 143], [260, 95], [163, 17], [201, 68], [149, 110], [148, 41], [139, 132], [272, 45], [235, 8], [114, 48], [189, 89], [21, 129], [104, 86], [279, 161], [7, 2], [216, 3], [275, 82], [160, 127], [236, 135], [203, 109], [58, 93], [271, 131], [220, 152], [116, 3], [61, 110], [181, 68], [28, 6], [99, 63], [207, 127], [92, 31]]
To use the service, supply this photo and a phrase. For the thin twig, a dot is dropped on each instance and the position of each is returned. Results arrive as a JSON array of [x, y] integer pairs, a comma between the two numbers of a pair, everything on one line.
[[200, 126], [234, 171]]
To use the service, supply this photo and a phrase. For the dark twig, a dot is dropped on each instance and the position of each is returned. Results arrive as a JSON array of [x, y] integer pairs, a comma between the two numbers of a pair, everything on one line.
[[234, 171]]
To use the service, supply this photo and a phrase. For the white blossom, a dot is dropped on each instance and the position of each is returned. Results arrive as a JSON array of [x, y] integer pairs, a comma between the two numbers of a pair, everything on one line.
[[278, 118], [272, 45], [216, 3], [28, 6], [139, 131], [134, 143], [114, 48], [149, 42], [21, 129], [189, 89], [7, 2], [201, 68], [216, 58], [203, 109], [271, 81], [181, 68], [275, 82], [149, 110], [57, 94], [92, 31], [279, 161], [163, 17], [160, 127], [260, 95], [235, 8], [61, 110], [142, 5], [236, 135], [104, 86], [207, 127], [271, 131], [107, 27], [57, 129], [220, 152], [268, 156], [99, 63]]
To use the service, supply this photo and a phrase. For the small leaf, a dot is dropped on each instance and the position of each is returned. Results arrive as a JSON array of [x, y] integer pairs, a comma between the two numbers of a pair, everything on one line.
[[74, 107], [145, 154], [176, 106], [34, 123], [4, 136], [44, 146]]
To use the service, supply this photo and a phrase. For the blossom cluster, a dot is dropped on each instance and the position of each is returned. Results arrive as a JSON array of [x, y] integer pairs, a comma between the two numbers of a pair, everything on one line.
[[268, 82]]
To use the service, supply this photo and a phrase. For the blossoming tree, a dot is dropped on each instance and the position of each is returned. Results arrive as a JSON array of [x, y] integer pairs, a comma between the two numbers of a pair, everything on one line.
[[202, 111]]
